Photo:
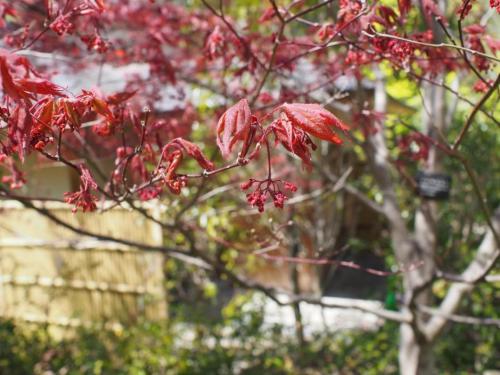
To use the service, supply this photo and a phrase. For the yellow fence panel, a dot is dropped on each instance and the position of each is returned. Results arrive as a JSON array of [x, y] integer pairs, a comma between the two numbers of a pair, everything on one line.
[[49, 274]]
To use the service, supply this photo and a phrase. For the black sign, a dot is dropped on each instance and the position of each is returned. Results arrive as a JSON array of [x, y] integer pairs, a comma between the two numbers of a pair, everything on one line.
[[433, 185]]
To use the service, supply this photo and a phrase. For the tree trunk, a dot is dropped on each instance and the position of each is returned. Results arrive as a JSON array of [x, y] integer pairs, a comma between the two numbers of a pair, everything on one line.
[[294, 276], [410, 247], [415, 354]]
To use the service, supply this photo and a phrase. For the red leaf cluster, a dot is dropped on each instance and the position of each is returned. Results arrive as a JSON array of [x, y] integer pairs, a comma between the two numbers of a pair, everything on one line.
[[233, 126], [415, 146], [173, 154], [83, 198], [192, 150], [293, 138], [314, 120], [292, 129], [24, 88]]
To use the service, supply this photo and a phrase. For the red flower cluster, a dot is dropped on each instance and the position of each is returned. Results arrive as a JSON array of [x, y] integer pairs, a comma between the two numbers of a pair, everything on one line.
[[401, 50], [64, 22], [62, 25], [95, 42], [398, 50], [83, 198], [267, 188], [481, 86]]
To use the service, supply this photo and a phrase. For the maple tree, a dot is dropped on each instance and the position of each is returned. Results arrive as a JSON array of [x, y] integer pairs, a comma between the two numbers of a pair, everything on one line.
[[265, 115]]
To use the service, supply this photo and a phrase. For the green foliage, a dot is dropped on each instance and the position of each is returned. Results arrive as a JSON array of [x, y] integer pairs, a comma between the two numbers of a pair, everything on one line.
[[19, 349], [236, 344], [473, 349]]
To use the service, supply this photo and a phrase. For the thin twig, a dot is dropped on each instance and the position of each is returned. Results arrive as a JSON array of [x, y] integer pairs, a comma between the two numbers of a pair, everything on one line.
[[432, 45], [476, 108]]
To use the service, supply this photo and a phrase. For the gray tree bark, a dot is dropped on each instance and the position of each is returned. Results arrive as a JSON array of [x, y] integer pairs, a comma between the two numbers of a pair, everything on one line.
[[415, 355]]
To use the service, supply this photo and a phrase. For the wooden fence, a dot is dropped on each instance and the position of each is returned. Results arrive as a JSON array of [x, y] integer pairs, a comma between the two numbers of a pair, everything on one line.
[[49, 274]]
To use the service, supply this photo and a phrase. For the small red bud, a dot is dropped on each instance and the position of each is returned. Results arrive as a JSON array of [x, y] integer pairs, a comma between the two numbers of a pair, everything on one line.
[[246, 185], [290, 187], [40, 145]]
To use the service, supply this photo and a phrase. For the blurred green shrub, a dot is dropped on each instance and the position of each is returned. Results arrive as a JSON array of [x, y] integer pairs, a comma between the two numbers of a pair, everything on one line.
[[236, 344]]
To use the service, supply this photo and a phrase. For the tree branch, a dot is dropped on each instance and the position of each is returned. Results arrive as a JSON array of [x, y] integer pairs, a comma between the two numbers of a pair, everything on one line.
[[476, 108], [487, 254], [432, 45], [173, 252], [460, 318]]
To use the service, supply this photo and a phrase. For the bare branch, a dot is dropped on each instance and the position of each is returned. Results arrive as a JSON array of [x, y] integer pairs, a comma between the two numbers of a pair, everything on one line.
[[173, 252], [351, 304], [308, 10], [460, 318], [343, 185], [432, 45]]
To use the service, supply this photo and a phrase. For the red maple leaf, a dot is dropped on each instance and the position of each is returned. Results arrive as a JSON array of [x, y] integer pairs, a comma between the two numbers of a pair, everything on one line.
[[293, 138], [43, 112], [20, 124], [192, 150], [233, 126], [314, 120], [10, 88], [40, 86], [120, 97], [173, 154]]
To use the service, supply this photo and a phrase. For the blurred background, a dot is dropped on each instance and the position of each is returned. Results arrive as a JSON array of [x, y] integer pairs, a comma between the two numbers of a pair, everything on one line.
[[203, 283]]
